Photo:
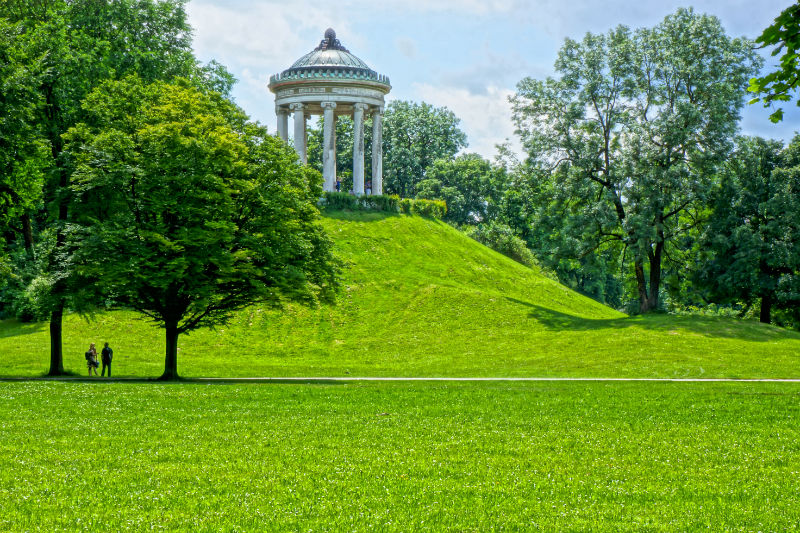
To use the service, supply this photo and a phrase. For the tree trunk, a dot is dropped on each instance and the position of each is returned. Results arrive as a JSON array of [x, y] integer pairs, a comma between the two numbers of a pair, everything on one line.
[[62, 199], [765, 316], [648, 289], [57, 316], [171, 360], [27, 234], [655, 277], [641, 285], [56, 355]]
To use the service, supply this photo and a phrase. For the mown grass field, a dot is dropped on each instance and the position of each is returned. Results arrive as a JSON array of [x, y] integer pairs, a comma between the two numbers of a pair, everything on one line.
[[420, 299], [400, 457]]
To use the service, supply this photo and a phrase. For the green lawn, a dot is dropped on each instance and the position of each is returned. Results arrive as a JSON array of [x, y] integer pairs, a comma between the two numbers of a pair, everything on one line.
[[400, 456], [421, 299], [418, 299]]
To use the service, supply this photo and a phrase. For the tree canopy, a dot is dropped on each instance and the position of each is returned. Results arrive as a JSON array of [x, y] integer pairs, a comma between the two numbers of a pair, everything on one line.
[[751, 246], [23, 151], [69, 48], [414, 136], [188, 212], [470, 185], [777, 86], [627, 138]]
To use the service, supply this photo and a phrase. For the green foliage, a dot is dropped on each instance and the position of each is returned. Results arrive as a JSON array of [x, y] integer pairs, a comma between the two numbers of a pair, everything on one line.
[[69, 48], [502, 238], [24, 154], [784, 35], [400, 456], [625, 142], [336, 201], [752, 243], [188, 212], [425, 208], [215, 76], [414, 136], [469, 185], [404, 205], [26, 291]]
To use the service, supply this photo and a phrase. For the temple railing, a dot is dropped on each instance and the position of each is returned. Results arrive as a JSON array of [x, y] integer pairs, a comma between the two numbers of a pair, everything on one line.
[[329, 73]]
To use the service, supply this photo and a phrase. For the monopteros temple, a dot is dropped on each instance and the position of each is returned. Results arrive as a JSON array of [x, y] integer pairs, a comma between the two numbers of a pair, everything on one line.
[[330, 81]]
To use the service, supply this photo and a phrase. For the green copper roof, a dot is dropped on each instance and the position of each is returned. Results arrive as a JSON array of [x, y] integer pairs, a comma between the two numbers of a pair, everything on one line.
[[329, 60]]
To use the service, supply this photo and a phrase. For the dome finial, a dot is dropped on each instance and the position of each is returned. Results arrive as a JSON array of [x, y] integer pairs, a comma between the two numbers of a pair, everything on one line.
[[330, 42]]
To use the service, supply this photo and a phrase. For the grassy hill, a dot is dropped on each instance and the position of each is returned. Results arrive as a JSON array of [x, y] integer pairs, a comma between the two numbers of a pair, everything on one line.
[[420, 299]]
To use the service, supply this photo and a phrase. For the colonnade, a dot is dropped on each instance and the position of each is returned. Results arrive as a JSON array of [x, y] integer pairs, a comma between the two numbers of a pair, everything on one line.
[[301, 115]]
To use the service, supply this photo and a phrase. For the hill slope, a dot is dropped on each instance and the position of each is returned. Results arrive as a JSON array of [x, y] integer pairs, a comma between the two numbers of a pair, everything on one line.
[[420, 299]]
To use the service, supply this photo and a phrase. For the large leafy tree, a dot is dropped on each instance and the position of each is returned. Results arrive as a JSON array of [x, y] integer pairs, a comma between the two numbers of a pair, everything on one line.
[[414, 136], [777, 86], [82, 43], [469, 184], [188, 212], [629, 135], [537, 208], [751, 246]]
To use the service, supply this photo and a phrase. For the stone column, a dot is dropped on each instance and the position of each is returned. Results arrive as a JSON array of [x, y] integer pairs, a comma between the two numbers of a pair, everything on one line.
[[377, 151], [329, 146], [358, 148], [299, 131], [283, 123]]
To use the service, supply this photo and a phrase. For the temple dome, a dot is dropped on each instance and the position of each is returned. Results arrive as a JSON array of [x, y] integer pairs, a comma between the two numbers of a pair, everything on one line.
[[329, 60], [330, 53]]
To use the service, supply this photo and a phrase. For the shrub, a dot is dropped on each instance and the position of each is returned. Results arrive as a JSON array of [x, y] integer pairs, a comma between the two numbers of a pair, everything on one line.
[[405, 205], [429, 208], [338, 201], [502, 238]]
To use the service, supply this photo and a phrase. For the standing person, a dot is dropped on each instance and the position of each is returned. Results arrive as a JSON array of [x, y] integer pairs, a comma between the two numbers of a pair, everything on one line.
[[107, 354], [91, 359]]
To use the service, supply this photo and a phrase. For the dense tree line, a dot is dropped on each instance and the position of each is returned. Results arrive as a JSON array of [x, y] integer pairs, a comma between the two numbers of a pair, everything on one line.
[[639, 193], [127, 178], [635, 189]]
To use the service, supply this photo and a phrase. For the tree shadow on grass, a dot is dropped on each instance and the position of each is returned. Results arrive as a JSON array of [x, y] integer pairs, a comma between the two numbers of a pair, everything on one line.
[[716, 327], [15, 328]]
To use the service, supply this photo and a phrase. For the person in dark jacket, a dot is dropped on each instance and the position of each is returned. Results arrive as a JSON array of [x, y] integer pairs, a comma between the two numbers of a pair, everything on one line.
[[106, 355]]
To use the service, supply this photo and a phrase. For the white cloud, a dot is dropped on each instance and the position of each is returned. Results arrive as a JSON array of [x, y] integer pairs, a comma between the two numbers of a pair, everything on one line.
[[414, 41], [485, 117], [260, 34]]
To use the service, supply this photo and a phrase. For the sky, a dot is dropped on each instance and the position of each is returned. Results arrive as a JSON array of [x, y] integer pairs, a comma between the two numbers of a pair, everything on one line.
[[466, 55]]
